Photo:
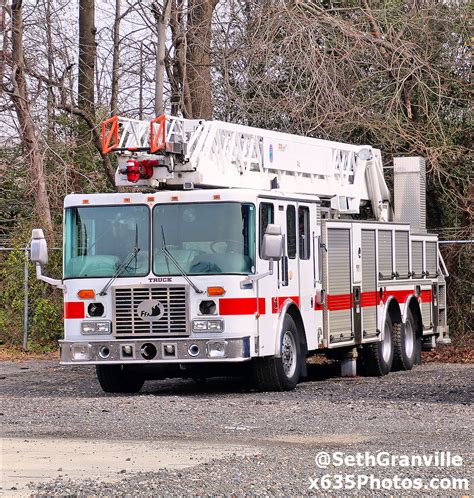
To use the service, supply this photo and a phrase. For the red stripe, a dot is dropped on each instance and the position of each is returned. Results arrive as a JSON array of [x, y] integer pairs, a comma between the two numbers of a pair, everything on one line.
[[339, 302], [369, 298], [399, 295], [241, 306], [74, 309], [277, 305], [248, 305], [426, 296], [345, 302]]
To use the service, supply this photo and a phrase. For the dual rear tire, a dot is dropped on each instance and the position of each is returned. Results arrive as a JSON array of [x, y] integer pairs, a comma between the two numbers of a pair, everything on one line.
[[400, 348], [377, 357], [407, 341]]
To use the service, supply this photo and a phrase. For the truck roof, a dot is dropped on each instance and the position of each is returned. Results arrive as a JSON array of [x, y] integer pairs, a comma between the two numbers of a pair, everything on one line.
[[195, 195]]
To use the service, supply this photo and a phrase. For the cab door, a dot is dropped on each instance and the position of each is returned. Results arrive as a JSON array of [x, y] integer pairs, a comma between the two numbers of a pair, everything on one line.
[[267, 287], [274, 290], [286, 216], [308, 260]]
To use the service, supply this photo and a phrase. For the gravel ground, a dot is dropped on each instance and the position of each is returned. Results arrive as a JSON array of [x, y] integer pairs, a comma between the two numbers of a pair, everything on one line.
[[180, 437]]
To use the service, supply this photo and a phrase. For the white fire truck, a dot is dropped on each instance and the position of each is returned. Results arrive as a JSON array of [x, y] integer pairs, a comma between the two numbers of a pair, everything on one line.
[[247, 250]]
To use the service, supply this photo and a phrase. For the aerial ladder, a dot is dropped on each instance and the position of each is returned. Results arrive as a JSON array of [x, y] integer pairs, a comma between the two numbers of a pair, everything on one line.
[[194, 153]]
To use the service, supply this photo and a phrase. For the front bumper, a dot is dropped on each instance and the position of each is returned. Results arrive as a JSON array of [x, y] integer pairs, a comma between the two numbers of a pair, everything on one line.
[[147, 351]]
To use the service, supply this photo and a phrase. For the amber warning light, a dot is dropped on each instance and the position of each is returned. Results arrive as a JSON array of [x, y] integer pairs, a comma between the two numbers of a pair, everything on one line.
[[86, 294], [215, 291]]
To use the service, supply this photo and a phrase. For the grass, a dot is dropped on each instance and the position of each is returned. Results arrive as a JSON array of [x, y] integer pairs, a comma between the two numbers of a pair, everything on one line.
[[17, 354]]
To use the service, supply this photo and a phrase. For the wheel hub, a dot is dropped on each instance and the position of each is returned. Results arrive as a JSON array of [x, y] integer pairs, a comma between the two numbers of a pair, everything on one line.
[[409, 339], [387, 344], [288, 354]]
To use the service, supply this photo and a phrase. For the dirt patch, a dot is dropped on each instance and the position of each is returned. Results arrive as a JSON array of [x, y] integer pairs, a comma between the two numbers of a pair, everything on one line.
[[38, 460]]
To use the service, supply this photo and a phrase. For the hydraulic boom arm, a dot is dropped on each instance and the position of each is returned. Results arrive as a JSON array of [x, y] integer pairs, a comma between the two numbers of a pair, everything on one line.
[[218, 154]]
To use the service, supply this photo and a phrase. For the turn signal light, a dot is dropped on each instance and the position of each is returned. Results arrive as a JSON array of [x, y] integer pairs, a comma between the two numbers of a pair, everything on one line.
[[86, 294], [215, 291]]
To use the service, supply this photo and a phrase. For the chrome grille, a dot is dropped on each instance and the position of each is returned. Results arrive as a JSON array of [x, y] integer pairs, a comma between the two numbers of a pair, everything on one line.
[[174, 321]]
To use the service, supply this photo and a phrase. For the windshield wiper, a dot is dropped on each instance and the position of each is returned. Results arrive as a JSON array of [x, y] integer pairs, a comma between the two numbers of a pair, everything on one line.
[[169, 256], [126, 261]]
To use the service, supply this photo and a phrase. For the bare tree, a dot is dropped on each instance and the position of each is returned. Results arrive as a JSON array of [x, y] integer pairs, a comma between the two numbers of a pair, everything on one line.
[[50, 62], [161, 14], [198, 56], [3, 40], [87, 56], [176, 70], [20, 97], [115, 60], [86, 80]]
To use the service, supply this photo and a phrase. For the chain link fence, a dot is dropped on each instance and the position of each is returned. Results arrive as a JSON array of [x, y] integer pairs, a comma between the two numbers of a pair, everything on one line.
[[26, 285]]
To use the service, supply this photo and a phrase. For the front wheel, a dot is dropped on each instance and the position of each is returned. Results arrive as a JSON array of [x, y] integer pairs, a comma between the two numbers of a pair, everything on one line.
[[378, 356], [118, 379], [280, 373]]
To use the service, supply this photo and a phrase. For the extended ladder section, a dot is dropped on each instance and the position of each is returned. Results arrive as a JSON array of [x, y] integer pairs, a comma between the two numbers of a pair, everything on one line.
[[203, 153]]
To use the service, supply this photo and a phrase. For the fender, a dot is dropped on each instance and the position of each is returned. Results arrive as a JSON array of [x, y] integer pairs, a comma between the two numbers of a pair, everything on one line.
[[383, 316], [407, 306], [279, 326]]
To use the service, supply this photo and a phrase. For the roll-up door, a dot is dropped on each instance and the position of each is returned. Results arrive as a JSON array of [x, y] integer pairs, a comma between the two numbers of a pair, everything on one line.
[[431, 260], [339, 297], [385, 254], [417, 258], [401, 254], [369, 285]]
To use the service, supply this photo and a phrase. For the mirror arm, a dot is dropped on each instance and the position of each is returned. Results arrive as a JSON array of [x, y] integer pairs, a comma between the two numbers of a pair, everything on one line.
[[52, 281], [254, 278]]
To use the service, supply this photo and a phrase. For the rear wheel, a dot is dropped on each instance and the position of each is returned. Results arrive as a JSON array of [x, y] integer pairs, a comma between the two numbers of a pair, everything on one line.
[[418, 344], [118, 379], [405, 344], [378, 356], [280, 373]]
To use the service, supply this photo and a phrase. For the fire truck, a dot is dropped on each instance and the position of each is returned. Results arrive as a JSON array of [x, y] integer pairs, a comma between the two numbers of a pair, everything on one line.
[[244, 251]]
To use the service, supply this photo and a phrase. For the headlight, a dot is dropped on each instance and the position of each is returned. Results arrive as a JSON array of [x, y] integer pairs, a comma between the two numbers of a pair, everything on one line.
[[215, 325], [102, 327], [216, 349], [88, 328], [80, 352], [199, 325], [208, 325]]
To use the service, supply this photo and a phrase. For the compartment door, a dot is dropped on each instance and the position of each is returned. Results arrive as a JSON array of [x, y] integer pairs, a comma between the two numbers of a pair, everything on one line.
[[338, 286], [369, 296]]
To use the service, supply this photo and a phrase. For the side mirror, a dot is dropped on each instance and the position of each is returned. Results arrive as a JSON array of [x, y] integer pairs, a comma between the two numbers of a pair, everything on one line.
[[39, 248], [272, 247]]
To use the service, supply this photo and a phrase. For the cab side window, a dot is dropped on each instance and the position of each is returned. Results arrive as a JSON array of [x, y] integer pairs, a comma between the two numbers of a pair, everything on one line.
[[291, 231], [266, 217], [303, 231]]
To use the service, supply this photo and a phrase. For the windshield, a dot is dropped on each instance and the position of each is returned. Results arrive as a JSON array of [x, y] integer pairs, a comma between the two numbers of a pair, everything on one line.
[[204, 238], [98, 240]]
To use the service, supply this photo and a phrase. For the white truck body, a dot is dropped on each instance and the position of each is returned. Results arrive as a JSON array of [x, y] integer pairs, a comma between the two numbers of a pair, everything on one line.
[[196, 287]]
